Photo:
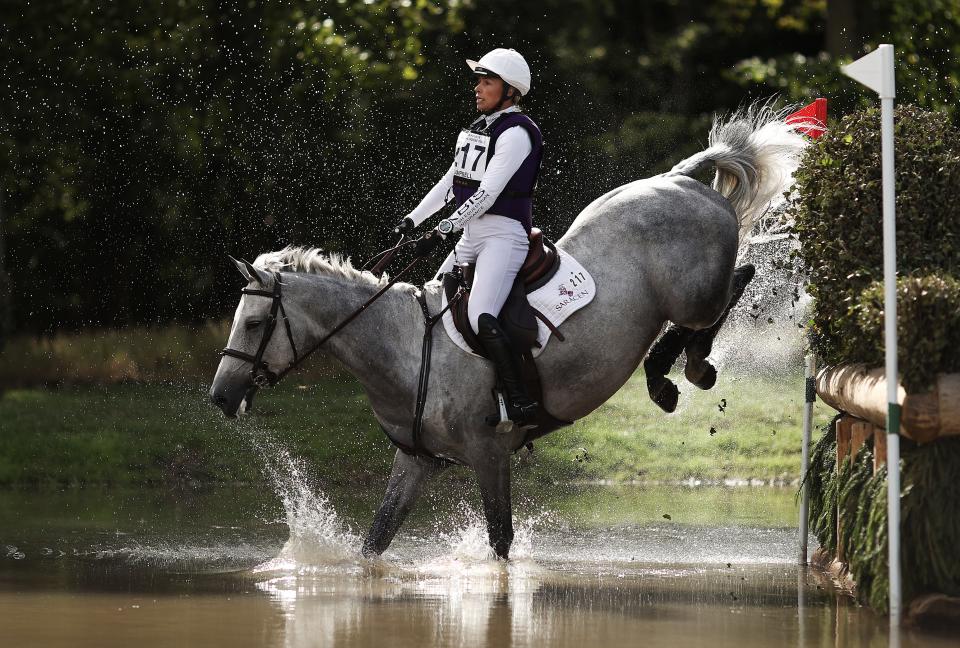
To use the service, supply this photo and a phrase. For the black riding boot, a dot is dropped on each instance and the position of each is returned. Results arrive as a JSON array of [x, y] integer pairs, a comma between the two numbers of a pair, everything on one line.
[[520, 408]]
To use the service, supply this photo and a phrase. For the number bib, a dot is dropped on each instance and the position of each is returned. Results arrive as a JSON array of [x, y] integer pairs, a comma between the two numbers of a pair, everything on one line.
[[470, 156]]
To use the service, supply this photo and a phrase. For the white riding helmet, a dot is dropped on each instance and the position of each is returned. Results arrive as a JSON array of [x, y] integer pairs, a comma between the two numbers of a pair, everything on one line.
[[506, 64]]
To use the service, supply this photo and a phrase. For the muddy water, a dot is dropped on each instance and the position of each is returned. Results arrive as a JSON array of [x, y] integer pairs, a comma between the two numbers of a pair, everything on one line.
[[590, 566]]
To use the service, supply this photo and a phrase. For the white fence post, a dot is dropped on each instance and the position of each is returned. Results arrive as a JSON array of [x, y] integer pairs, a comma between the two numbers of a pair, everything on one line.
[[875, 70]]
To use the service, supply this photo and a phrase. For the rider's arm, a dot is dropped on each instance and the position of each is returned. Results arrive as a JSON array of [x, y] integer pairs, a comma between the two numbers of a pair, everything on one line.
[[513, 147], [435, 199]]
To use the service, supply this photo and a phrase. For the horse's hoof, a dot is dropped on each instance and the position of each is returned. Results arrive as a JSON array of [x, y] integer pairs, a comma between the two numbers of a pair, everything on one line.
[[707, 379], [665, 394], [370, 551]]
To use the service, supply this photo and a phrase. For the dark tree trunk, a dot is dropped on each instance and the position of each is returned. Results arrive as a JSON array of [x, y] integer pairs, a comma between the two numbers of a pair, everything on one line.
[[843, 37], [5, 315]]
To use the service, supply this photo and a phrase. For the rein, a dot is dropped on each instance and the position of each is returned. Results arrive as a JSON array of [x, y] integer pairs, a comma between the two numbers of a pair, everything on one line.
[[387, 256]]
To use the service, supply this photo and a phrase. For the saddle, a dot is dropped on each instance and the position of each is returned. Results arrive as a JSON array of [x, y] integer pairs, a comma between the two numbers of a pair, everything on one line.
[[517, 317]]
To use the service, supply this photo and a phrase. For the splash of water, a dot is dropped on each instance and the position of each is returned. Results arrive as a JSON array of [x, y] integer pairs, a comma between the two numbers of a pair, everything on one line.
[[465, 547], [319, 540], [765, 333]]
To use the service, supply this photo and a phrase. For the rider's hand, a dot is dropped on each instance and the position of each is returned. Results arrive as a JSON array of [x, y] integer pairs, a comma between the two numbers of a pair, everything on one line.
[[427, 244], [405, 226]]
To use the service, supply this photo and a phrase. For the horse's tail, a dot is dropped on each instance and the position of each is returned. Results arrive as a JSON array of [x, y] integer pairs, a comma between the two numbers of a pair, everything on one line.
[[755, 153]]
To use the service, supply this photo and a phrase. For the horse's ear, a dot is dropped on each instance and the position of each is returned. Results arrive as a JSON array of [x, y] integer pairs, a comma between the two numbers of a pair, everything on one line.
[[255, 274], [242, 269]]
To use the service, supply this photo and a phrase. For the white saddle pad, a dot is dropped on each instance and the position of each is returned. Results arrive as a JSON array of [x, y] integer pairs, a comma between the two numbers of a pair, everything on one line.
[[569, 290]]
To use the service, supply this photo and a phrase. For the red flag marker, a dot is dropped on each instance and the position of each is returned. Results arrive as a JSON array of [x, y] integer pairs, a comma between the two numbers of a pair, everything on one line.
[[813, 118]]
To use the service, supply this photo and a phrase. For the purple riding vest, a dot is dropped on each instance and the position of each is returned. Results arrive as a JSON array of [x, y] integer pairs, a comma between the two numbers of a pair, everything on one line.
[[516, 199]]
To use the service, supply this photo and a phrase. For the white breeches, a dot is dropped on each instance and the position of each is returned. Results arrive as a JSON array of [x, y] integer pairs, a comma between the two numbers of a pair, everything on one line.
[[498, 245]]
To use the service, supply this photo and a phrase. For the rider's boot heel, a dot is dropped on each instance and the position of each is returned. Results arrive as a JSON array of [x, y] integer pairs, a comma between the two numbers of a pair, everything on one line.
[[521, 409]]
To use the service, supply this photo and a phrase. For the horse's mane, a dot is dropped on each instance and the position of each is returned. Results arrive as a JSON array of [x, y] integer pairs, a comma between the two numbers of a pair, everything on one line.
[[314, 261]]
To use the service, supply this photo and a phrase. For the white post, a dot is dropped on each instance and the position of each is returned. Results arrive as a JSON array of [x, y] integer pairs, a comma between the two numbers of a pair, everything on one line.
[[875, 70], [890, 334], [810, 396]]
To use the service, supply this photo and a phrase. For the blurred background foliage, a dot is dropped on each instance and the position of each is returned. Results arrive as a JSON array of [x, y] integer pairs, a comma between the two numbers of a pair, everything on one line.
[[141, 142]]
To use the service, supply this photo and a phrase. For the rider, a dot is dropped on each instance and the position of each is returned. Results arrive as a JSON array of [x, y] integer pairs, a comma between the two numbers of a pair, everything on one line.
[[492, 179]]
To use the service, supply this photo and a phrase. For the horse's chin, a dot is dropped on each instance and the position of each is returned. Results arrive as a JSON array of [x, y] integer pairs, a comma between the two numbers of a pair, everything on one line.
[[225, 402], [246, 405]]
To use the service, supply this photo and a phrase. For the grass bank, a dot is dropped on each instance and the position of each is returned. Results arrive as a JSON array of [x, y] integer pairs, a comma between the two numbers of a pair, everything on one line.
[[136, 434], [135, 354]]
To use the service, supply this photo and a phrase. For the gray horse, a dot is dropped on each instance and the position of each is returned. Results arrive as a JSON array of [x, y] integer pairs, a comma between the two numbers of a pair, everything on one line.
[[661, 250]]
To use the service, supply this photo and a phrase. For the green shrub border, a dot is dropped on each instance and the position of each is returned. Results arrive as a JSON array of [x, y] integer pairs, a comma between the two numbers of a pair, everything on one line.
[[836, 210], [930, 515]]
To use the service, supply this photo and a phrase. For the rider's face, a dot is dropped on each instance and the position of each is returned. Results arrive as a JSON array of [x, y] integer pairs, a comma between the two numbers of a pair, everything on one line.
[[488, 92]]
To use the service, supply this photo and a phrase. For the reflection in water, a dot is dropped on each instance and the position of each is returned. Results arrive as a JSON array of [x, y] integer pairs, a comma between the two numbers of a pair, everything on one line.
[[485, 604], [523, 604], [565, 586], [597, 567]]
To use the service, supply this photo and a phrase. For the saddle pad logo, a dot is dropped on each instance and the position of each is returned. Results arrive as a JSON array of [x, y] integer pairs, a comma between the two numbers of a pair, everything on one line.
[[575, 292]]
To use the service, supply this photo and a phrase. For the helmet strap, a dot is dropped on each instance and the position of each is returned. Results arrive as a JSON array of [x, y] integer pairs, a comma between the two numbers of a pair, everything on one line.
[[504, 97]]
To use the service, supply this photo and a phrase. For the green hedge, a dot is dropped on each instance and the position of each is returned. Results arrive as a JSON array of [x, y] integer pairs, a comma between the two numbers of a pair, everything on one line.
[[928, 325], [838, 220], [930, 516]]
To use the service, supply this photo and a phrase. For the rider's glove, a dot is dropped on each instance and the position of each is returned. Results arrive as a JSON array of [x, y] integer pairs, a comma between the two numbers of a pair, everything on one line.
[[405, 226], [427, 244]]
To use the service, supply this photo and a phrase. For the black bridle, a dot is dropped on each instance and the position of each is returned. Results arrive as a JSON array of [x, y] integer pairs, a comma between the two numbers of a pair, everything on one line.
[[260, 372]]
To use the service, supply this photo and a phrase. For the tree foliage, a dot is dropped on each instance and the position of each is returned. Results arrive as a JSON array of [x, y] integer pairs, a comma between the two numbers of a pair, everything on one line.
[[141, 142]]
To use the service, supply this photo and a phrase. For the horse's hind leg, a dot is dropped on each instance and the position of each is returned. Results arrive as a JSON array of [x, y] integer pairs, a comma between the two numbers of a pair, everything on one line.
[[699, 345], [658, 363], [406, 479]]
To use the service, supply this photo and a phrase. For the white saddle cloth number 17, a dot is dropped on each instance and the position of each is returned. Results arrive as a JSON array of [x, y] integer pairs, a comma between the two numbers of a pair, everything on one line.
[[470, 157]]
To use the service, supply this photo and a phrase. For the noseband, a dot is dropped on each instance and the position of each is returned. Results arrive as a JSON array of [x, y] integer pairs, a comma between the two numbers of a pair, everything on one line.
[[260, 372]]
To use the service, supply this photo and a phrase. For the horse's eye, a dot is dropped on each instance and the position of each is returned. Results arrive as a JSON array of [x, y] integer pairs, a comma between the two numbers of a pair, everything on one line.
[[252, 324]]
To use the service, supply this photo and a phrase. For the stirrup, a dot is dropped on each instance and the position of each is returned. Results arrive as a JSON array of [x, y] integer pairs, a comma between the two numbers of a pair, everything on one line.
[[524, 416]]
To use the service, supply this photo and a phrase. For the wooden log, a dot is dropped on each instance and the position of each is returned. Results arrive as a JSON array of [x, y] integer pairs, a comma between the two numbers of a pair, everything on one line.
[[860, 391], [860, 431], [879, 448], [844, 434]]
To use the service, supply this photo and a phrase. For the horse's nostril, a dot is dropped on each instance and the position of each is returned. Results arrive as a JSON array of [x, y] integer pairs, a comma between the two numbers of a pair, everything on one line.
[[218, 399]]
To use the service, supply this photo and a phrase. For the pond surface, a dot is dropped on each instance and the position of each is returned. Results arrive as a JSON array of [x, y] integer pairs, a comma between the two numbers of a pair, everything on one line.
[[605, 566]]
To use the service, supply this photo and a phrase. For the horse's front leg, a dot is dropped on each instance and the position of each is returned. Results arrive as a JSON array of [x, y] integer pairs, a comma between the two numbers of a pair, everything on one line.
[[406, 479], [493, 475]]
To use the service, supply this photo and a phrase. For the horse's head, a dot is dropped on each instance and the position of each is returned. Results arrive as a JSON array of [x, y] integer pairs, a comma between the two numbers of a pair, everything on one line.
[[261, 346]]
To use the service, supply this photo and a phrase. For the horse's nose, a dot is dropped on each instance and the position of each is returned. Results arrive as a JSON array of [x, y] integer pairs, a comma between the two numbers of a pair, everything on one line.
[[218, 399]]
